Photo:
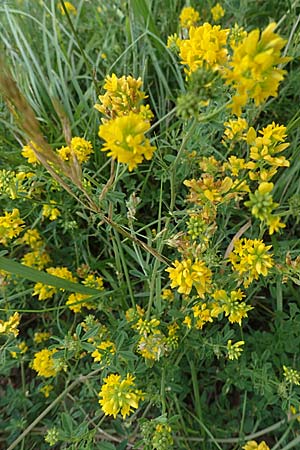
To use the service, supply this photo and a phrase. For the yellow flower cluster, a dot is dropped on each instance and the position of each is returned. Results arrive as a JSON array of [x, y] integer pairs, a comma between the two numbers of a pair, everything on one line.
[[21, 349], [126, 122], [162, 437], [79, 147], [11, 225], [234, 350], [207, 189], [291, 375], [252, 70], [253, 445], [78, 301], [232, 305], [250, 259], [45, 390], [125, 139], [187, 274], [29, 153], [234, 129], [153, 346], [203, 314], [217, 12], [188, 17], [10, 326], [69, 7], [104, 349], [11, 183], [119, 395], [123, 95], [206, 45], [146, 326], [264, 148], [43, 363], [49, 210], [44, 291], [37, 257], [41, 336]]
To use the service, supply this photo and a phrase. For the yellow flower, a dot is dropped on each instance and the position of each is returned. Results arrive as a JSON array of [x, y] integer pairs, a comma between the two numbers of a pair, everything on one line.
[[209, 190], [291, 375], [10, 225], [187, 322], [123, 95], [40, 336], [75, 302], [252, 71], [125, 139], [69, 7], [32, 238], [44, 291], [167, 295], [43, 363], [79, 147], [232, 305], [172, 43], [253, 445], [202, 314], [187, 274], [274, 224], [234, 350], [234, 129], [10, 326], [45, 390], [119, 395], [250, 258], [28, 152], [188, 17], [146, 326], [22, 348], [104, 348], [37, 258], [51, 211], [206, 45], [235, 165], [217, 12], [152, 346]]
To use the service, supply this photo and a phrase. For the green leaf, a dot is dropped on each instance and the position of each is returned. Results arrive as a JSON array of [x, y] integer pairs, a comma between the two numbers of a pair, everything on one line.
[[38, 276]]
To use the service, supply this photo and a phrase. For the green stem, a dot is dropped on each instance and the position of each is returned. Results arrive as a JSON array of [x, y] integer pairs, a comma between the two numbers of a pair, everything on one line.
[[163, 391]]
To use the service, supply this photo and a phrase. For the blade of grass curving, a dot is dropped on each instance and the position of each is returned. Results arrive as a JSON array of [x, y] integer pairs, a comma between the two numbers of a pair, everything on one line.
[[37, 276]]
